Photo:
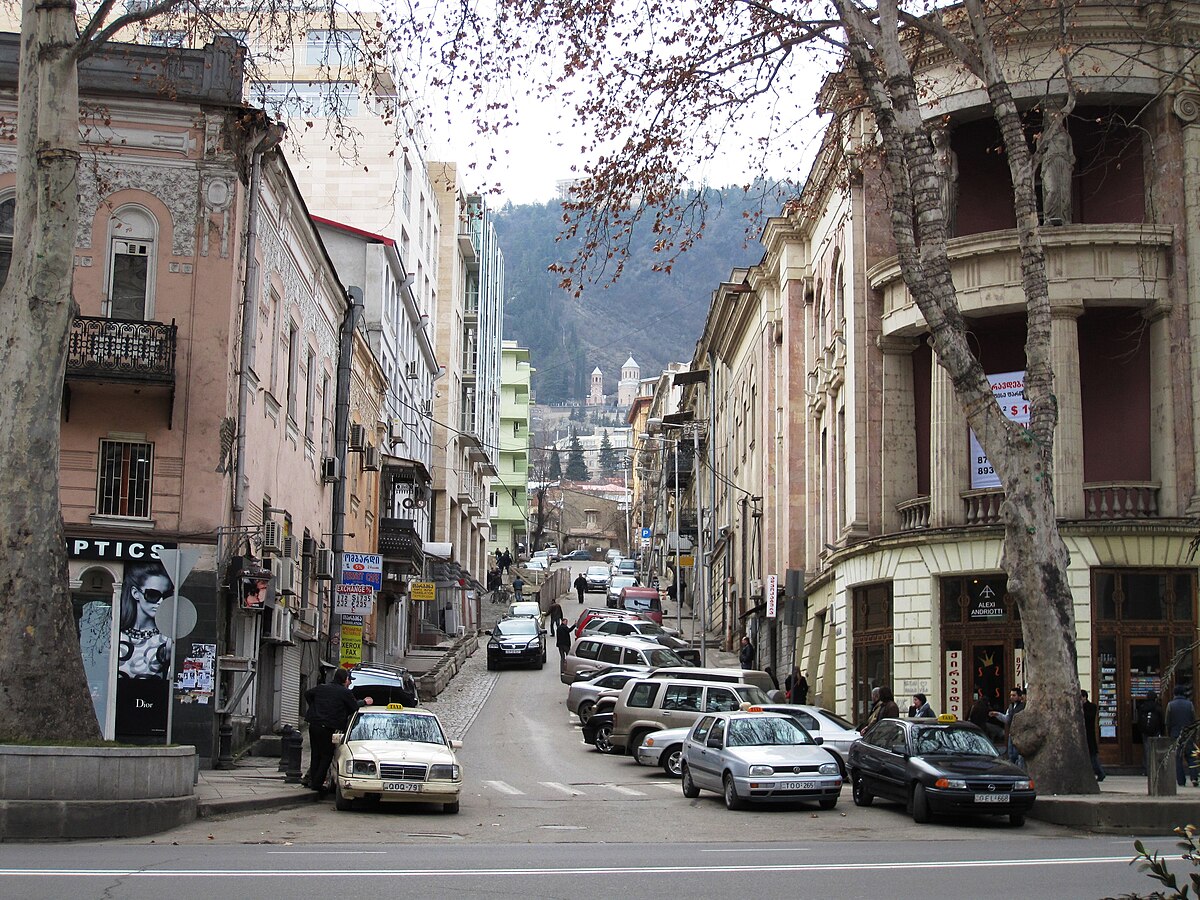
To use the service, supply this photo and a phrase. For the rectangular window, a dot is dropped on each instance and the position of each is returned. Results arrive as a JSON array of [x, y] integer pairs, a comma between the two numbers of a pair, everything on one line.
[[338, 47], [310, 379], [407, 200], [290, 99], [642, 695], [168, 37], [293, 374], [123, 488], [130, 280], [683, 697]]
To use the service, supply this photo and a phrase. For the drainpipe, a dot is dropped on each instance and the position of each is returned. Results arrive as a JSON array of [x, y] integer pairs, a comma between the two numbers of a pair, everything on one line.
[[341, 413], [269, 141]]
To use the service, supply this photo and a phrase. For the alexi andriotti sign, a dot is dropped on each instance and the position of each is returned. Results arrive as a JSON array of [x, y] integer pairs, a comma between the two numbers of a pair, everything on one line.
[[1009, 390]]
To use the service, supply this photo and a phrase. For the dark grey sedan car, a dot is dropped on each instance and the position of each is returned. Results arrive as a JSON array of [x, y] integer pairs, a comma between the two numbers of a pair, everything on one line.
[[933, 766]]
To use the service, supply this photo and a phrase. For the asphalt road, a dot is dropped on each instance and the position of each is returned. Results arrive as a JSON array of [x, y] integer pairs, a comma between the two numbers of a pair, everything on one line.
[[544, 815]]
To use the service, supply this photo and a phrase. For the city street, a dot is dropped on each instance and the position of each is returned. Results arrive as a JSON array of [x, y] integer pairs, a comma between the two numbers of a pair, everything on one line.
[[543, 815]]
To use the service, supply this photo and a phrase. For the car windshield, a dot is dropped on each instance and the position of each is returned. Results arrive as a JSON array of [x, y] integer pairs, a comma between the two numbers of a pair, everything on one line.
[[750, 694], [621, 581], [657, 657], [383, 726], [758, 731], [932, 741], [597, 571], [649, 628], [517, 627], [835, 719]]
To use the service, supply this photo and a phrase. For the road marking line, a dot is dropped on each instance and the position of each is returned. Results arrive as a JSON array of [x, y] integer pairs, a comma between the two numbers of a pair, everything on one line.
[[293, 873], [759, 850], [669, 788], [502, 787], [621, 789], [554, 785], [325, 852]]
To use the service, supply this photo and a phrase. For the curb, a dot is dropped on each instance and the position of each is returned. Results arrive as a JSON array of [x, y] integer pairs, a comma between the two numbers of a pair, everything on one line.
[[211, 808], [1135, 815]]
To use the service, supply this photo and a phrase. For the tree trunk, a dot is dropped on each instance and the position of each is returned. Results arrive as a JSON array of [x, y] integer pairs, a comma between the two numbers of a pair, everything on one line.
[[43, 689]]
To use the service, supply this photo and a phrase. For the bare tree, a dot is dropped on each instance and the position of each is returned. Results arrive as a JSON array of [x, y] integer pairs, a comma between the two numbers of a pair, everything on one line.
[[661, 86]]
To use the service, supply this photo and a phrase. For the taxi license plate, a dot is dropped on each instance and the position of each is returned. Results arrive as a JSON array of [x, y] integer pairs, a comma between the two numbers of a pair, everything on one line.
[[404, 786], [798, 786], [991, 798]]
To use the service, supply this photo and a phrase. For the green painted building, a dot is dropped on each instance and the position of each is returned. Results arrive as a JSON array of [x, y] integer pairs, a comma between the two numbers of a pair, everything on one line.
[[508, 499]]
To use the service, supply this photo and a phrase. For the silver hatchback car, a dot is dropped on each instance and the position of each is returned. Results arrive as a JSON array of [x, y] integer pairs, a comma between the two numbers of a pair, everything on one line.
[[582, 695], [757, 756]]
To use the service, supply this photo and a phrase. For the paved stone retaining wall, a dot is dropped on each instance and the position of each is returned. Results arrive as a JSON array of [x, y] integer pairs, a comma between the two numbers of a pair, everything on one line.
[[435, 680], [87, 792]]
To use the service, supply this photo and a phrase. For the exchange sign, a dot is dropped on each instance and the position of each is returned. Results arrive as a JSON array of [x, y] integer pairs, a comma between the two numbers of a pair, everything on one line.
[[354, 599]]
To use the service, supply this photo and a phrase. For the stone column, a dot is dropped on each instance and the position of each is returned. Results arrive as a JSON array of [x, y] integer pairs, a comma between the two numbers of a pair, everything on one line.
[[898, 454], [1163, 461], [1187, 109], [948, 452], [1068, 435]]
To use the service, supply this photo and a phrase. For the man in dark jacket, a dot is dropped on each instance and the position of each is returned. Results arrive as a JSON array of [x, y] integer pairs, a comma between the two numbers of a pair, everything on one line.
[[1089, 731], [1180, 714], [562, 638], [329, 709], [1016, 703], [746, 654], [580, 584], [1150, 724]]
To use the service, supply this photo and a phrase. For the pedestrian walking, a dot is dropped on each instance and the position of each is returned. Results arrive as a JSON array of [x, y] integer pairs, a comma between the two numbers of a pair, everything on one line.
[[797, 687], [518, 585], [1180, 715], [580, 584], [555, 615], [746, 654], [1089, 732], [1150, 724], [505, 562], [329, 709], [562, 639], [920, 708], [1016, 703]]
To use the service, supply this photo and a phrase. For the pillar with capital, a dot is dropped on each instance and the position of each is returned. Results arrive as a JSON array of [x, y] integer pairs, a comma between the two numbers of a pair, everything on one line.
[[1068, 434], [948, 452], [1186, 107], [898, 452]]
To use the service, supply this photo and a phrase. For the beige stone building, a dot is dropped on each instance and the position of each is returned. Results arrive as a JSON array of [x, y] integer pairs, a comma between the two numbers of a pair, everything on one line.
[[831, 408]]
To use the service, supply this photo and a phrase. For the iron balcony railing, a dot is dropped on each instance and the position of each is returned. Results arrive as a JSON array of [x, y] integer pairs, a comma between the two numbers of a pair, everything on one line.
[[119, 350]]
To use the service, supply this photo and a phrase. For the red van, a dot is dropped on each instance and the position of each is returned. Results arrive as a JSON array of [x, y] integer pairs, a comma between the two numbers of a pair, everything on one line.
[[644, 600]]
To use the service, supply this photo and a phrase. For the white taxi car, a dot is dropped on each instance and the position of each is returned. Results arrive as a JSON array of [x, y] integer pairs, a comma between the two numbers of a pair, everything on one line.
[[396, 754]]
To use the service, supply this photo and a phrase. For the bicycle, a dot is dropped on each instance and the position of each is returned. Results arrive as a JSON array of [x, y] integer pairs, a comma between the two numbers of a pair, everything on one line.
[[502, 595]]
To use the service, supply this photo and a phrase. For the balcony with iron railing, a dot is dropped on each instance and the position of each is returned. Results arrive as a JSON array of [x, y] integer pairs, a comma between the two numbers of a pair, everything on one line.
[[400, 546], [117, 350], [1102, 501]]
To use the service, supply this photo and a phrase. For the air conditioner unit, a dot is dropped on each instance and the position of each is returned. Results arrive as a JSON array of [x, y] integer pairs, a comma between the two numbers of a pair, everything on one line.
[[330, 470], [410, 369], [308, 616], [323, 564], [396, 432], [289, 547], [280, 629], [427, 407], [371, 459], [358, 437], [285, 576], [272, 537]]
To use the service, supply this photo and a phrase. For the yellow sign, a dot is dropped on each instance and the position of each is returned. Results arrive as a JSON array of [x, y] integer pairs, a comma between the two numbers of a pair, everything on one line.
[[687, 561], [422, 590], [351, 652]]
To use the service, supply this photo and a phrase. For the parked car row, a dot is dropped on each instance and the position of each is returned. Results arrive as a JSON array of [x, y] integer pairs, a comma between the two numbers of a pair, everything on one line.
[[715, 731]]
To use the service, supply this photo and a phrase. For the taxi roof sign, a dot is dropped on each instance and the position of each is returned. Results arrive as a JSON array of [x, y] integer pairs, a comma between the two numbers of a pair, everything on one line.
[[395, 706], [947, 717]]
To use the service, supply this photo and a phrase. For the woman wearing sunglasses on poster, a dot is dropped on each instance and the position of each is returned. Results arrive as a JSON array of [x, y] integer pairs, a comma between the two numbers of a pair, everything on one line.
[[145, 652]]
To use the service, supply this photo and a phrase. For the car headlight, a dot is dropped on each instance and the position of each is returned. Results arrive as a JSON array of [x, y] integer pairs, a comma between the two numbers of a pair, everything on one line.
[[445, 773], [360, 767], [956, 784], [829, 768], [493, 643], [536, 642], [1026, 785], [759, 771]]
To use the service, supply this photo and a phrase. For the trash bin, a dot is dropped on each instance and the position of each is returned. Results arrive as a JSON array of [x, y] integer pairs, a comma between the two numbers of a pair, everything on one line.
[[1160, 773]]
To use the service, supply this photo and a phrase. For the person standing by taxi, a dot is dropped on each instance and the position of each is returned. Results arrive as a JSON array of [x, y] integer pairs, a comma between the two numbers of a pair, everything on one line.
[[330, 707]]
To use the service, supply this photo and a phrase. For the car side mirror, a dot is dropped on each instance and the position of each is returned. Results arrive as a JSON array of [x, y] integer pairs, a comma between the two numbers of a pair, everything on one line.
[[714, 741], [456, 745], [338, 737], [819, 740]]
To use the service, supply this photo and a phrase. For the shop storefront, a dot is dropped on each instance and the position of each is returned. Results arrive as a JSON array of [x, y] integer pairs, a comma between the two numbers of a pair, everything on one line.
[[1143, 624], [873, 642], [981, 638]]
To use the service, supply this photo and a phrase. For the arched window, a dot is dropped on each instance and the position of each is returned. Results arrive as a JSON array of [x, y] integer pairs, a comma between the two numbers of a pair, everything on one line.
[[8, 211], [131, 264]]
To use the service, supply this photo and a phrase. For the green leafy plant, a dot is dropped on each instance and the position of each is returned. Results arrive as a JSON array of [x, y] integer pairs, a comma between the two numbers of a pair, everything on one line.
[[1155, 866]]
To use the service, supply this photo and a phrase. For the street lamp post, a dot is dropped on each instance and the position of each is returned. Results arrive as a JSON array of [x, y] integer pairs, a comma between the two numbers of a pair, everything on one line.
[[675, 487]]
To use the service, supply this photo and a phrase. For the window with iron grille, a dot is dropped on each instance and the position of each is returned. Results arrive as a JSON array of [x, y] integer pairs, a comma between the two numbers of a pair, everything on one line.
[[123, 488]]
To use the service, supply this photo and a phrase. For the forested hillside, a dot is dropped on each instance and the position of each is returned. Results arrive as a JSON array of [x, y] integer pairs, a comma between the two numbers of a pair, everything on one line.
[[654, 316]]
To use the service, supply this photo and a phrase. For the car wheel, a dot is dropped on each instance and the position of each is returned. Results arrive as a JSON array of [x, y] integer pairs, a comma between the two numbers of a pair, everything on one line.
[[858, 789], [689, 787], [920, 805], [828, 802], [604, 739], [340, 802], [635, 740], [1016, 820], [732, 800], [672, 760], [450, 807], [585, 711]]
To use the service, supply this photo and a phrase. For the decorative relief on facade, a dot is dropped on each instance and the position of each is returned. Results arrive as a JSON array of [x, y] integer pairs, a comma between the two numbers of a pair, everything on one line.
[[296, 290], [176, 186], [1187, 107], [218, 201]]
